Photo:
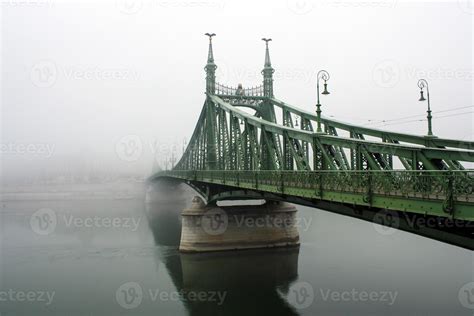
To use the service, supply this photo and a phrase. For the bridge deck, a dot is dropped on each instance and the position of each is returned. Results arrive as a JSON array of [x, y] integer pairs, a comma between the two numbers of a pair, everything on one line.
[[436, 193]]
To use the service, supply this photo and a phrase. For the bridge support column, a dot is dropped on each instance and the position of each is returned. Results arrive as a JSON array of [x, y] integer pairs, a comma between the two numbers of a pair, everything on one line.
[[214, 228]]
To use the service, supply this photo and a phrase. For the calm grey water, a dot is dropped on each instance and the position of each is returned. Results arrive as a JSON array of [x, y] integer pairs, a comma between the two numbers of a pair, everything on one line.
[[95, 254]]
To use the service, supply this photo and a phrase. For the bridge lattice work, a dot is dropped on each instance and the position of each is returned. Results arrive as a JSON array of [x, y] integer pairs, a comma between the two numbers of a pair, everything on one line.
[[236, 155]]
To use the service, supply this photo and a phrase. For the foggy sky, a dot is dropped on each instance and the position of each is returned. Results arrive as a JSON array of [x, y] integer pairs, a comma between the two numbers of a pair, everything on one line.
[[79, 78]]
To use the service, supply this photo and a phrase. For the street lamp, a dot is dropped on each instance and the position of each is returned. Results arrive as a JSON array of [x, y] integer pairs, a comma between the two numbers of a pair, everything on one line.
[[324, 75], [422, 83]]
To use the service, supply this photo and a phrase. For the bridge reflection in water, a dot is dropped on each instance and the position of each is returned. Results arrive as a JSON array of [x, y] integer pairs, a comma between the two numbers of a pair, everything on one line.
[[250, 282]]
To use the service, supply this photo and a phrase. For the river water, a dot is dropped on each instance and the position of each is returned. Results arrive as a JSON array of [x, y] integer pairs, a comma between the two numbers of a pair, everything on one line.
[[73, 252]]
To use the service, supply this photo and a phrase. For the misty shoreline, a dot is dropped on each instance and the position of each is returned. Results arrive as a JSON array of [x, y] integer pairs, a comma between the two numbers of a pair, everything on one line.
[[115, 190]]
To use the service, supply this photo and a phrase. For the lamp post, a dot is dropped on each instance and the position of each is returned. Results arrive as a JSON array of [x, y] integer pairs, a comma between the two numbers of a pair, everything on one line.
[[422, 83], [324, 75]]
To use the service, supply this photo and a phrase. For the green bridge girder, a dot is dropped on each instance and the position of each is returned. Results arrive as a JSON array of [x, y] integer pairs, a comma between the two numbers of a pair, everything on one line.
[[431, 193], [221, 143], [401, 137]]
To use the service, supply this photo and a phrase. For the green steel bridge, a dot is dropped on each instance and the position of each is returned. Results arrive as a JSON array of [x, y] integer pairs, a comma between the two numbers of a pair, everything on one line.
[[415, 183]]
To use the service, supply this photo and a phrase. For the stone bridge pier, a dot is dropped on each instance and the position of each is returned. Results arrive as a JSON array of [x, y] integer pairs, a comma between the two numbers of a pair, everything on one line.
[[237, 227]]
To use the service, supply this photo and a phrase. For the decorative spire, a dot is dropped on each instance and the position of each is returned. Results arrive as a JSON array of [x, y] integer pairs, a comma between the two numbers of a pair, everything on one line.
[[268, 63], [210, 68], [210, 55], [267, 72]]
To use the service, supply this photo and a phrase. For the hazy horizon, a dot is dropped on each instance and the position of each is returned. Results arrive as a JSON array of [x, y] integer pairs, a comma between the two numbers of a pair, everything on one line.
[[81, 80]]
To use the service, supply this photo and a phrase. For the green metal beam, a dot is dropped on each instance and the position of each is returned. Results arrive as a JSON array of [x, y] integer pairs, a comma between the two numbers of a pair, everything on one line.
[[438, 193], [402, 137]]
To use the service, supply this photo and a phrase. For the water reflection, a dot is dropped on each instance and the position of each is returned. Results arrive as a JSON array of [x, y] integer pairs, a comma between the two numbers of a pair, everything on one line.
[[230, 282], [337, 254]]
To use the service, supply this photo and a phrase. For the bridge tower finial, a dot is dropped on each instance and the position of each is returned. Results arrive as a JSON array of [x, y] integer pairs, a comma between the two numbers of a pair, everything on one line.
[[267, 71], [210, 67]]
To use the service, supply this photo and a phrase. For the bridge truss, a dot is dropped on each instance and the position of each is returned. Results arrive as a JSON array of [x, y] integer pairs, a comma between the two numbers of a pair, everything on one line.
[[233, 154]]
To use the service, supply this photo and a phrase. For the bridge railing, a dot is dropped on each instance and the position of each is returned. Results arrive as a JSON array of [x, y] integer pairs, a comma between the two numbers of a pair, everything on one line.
[[233, 91], [433, 185]]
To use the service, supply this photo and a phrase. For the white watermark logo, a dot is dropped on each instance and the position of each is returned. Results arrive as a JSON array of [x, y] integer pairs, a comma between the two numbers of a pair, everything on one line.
[[386, 222], [129, 148], [417, 222], [129, 295], [305, 6], [216, 297], [36, 149], [44, 74], [215, 221], [129, 6], [386, 73], [273, 221], [438, 73], [301, 295], [467, 6], [229, 72], [11, 295], [43, 221], [466, 295], [27, 3], [355, 295], [300, 6]]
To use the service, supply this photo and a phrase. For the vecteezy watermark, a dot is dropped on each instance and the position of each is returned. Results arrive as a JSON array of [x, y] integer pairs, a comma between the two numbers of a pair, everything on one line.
[[227, 72], [218, 4], [215, 221], [467, 6], [386, 73], [35, 149], [386, 222], [466, 295], [302, 295], [45, 73], [165, 148], [130, 7], [358, 3], [306, 6], [45, 221], [438, 73], [356, 295], [129, 148], [11, 295], [130, 295], [27, 3], [273, 221], [300, 6], [417, 222]]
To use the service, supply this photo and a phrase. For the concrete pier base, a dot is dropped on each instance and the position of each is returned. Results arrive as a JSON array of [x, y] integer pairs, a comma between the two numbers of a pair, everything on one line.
[[218, 228]]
